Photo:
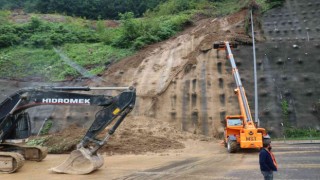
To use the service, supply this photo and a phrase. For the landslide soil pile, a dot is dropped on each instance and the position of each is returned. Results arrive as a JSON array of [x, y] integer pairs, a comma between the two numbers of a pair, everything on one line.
[[133, 137]]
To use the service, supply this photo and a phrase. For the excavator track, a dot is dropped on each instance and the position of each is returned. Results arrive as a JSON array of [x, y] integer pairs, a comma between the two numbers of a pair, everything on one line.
[[10, 162], [36, 153], [12, 156], [31, 153]]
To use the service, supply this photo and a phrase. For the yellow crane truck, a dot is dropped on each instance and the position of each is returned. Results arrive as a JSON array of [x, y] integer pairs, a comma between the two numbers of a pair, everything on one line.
[[240, 130]]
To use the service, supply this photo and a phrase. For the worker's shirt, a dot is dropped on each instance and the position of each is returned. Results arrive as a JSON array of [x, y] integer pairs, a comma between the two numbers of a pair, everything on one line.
[[267, 161]]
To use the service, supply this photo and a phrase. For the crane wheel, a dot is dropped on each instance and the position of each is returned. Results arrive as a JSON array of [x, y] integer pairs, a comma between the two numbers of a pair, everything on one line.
[[232, 146]]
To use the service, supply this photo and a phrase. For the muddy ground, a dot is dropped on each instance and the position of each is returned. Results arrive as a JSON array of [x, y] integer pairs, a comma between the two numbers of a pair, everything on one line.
[[135, 136]]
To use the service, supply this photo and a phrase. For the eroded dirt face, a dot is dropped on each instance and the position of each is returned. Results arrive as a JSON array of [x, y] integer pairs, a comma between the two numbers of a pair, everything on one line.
[[182, 80], [185, 82]]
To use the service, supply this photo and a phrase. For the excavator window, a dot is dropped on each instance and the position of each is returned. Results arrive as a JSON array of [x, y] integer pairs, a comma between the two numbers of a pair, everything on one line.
[[234, 122]]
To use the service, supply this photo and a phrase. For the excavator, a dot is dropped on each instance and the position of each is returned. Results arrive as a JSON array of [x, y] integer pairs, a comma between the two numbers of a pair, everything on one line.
[[15, 125], [240, 131]]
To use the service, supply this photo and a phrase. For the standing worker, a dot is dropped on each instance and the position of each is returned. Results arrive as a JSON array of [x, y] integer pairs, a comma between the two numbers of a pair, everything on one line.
[[267, 162]]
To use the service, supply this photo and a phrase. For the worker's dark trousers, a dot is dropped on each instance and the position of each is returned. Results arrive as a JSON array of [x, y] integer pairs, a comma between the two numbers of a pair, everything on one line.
[[268, 175]]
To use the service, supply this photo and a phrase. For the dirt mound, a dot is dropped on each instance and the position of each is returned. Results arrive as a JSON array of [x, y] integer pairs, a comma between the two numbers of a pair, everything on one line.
[[134, 136], [138, 142]]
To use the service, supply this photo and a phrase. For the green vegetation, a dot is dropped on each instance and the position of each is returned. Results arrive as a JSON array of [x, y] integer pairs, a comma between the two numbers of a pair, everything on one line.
[[268, 4], [109, 9], [285, 113], [21, 62], [54, 143], [4, 17], [94, 57], [138, 33], [302, 133], [46, 127], [41, 34], [27, 49], [38, 141], [103, 9], [226, 7], [296, 133]]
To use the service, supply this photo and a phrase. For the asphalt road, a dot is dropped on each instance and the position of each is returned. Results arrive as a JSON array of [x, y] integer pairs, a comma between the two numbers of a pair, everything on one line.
[[200, 160], [296, 161]]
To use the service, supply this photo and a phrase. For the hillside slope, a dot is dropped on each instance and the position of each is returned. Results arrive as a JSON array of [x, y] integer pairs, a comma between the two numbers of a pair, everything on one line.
[[185, 82], [182, 80], [184, 85]]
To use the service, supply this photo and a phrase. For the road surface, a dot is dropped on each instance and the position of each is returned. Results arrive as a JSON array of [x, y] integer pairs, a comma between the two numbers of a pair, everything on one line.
[[200, 160]]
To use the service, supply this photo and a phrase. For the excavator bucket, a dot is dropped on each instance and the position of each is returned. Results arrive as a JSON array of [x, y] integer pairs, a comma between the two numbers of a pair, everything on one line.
[[80, 162]]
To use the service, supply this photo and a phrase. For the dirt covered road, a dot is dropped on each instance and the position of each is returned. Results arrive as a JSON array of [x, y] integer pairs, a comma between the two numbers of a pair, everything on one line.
[[200, 160]]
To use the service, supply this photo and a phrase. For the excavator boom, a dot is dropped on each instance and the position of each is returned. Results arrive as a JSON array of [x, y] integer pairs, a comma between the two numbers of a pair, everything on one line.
[[15, 125]]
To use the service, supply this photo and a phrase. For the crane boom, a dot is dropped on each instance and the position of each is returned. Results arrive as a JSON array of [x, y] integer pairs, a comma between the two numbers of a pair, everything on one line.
[[240, 130], [243, 99]]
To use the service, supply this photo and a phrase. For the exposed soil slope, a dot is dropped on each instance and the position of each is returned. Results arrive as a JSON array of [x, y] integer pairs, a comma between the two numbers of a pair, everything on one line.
[[185, 88], [183, 81]]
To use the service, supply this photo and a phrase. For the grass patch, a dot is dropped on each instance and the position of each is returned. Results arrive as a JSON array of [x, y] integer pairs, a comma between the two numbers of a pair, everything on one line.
[[37, 141], [226, 7], [22, 62], [269, 4], [296, 138], [302, 133], [45, 64], [94, 57], [46, 127]]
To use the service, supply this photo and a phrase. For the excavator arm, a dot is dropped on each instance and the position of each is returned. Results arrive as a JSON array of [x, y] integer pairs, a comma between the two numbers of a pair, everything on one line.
[[15, 123]]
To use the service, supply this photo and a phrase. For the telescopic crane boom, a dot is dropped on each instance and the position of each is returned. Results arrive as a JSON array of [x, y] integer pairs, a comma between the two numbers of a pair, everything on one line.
[[240, 130]]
